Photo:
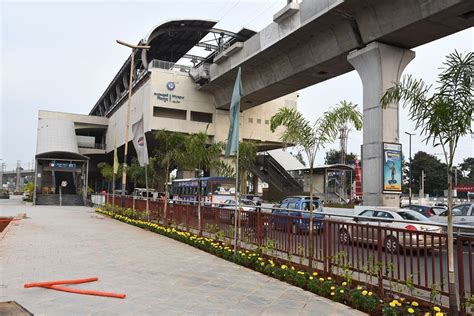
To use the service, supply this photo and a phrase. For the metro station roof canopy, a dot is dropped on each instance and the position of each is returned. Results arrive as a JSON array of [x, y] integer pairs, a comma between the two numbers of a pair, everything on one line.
[[169, 41]]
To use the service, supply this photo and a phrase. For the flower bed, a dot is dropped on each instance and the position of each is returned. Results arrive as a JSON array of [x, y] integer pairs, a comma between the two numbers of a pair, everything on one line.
[[344, 292]]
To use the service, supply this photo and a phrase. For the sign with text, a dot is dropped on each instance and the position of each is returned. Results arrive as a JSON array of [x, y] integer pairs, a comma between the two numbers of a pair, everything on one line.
[[392, 168]]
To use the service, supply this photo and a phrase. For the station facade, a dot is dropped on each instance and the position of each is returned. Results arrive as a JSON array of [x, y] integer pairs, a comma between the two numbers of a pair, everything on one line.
[[165, 94]]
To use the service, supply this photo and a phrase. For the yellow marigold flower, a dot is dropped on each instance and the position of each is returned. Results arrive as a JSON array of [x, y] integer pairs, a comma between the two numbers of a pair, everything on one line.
[[359, 287], [344, 283], [315, 273], [333, 287], [399, 304], [262, 264], [392, 304], [341, 291], [370, 293], [427, 314], [284, 267], [410, 310], [414, 304], [301, 272], [329, 278], [364, 292], [439, 314], [437, 309], [332, 293], [293, 268], [321, 279], [310, 277]]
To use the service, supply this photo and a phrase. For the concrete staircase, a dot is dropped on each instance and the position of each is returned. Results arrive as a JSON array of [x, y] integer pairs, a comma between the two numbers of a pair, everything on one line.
[[53, 199]]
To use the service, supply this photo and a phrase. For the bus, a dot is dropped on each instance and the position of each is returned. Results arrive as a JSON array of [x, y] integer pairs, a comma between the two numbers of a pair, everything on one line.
[[214, 190]]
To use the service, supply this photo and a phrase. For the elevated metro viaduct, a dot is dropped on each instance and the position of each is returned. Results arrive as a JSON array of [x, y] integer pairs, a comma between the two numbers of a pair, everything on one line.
[[307, 43]]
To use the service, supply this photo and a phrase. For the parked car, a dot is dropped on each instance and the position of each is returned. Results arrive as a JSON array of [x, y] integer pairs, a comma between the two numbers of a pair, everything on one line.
[[426, 210], [296, 209], [393, 239], [463, 214], [245, 205]]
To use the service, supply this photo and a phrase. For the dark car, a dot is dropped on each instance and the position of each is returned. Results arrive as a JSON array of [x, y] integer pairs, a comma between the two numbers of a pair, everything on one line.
[[297, 207], [422, 209]]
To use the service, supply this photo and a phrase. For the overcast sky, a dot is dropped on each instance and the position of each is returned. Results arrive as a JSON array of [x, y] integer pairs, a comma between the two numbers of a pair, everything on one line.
[[61, 55]]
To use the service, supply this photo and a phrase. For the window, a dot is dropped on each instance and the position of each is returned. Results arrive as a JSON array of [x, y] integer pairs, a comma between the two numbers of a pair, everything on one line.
[[169, 113], [267, 122], [259, 121], [201, 117], [460, 210], [250, 120], [292, 205]]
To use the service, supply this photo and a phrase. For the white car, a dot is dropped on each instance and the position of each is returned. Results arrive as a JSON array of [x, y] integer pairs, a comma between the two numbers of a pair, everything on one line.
[[405, 235], [463, 214]]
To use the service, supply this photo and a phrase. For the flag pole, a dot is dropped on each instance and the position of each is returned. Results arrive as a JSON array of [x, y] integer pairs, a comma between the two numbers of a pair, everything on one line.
[[237, 209], [113, 190], [146, 185]]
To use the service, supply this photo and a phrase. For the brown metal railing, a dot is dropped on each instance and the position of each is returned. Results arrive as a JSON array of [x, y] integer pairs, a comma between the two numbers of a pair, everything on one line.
[[388, 257]]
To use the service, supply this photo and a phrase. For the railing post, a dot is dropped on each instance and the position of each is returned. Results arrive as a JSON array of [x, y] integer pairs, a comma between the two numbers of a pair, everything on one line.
[[379, 259], [325, 245], [260, 228], [289, 227]]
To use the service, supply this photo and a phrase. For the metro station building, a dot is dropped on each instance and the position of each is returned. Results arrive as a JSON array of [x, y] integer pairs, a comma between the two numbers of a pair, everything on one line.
[[167, 91]]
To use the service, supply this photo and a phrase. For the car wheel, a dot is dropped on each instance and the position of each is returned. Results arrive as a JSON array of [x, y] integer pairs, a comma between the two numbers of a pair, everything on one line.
[[392, 245], [344, 237]]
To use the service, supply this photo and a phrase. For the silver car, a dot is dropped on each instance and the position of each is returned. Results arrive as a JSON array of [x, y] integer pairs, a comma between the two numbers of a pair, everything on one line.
[[463, 215], [406, 234]]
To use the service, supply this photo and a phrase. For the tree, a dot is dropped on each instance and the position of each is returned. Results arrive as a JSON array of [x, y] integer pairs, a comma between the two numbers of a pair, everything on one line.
[[107, 172], [137, 173], [310, 138], [443, 117], [334, 157], [201, 156], [247, 158], [171, 146], [435, 179]]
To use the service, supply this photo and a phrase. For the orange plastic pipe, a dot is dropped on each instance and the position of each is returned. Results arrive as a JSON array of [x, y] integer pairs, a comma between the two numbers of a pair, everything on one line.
[[43, 284], [84, 292]]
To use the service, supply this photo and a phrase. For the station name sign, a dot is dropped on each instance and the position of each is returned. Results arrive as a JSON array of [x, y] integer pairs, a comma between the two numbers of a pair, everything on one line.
[[168, 97], [62, 165]]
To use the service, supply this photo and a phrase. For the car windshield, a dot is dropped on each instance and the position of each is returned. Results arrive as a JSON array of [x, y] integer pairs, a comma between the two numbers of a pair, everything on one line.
[[247, 202], [413, 216]]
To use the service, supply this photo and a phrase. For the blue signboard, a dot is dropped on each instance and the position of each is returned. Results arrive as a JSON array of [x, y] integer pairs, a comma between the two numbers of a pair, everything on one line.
[[392, 168]]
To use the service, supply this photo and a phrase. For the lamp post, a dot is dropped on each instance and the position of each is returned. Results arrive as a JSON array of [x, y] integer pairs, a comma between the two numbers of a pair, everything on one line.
[[409, 182], [132, 64]]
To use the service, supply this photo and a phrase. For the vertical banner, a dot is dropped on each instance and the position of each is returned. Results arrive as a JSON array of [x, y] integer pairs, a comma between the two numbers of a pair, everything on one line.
[[392, 168]]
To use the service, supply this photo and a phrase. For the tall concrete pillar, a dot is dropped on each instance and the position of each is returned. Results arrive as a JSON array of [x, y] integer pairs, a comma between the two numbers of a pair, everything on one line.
[[379, 66]]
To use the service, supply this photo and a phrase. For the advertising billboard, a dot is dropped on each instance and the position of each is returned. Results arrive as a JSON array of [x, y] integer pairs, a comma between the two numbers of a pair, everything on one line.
[[392, 168]]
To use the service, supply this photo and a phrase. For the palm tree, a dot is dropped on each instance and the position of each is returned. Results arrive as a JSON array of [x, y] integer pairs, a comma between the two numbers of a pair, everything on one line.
[[247, 157], [171, 146], [107, 172], [201, 156], [443, 117], [310, 138]]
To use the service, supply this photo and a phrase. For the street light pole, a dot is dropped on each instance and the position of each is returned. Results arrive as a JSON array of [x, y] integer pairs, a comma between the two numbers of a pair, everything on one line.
[[409, 182], [132, 64]]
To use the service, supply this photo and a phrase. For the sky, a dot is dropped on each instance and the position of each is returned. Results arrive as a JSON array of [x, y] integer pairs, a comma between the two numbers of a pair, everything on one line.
[[61, 55]]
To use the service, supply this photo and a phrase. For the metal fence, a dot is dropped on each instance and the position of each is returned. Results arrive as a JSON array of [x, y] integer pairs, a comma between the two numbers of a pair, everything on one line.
[[391, 258]]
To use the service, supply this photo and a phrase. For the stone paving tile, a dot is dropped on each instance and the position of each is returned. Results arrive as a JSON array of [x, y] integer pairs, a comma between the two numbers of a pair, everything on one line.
[[159, 275]]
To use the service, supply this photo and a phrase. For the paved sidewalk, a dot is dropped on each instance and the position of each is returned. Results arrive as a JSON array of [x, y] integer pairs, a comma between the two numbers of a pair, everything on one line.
[[159, 275]]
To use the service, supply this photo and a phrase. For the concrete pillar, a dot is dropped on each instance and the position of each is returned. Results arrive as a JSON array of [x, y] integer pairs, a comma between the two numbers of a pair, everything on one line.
[[379, 66]]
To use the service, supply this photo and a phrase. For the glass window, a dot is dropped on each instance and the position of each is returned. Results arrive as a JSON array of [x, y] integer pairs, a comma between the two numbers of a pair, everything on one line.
[[367, 213], [292, 205], [267, 122], [259, 121], [460, 210], [250, 120], [384, 214]]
